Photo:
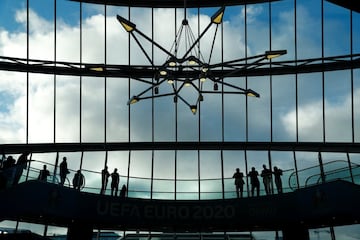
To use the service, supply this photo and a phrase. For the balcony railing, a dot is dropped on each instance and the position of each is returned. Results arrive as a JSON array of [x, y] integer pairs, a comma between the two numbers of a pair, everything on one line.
[[206, 188]]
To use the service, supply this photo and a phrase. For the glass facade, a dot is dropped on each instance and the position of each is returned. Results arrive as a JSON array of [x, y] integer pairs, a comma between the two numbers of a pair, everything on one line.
[[313, 98]]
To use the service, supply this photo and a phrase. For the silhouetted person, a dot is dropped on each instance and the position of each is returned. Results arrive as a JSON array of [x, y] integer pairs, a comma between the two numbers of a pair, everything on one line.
[[266, 175], [21, 164], [44, 173], [123, 191], [63, 171], [254, 181], [239, 182], [78, 180], [277, 176], [104, 179], [8, 171], [9, 162], [115, 179], [2, 160]]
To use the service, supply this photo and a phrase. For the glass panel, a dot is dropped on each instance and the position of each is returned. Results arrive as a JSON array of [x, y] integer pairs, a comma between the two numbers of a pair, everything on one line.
[[282, 28], [283, 108], [210, 175], [308, 168], [259, 110], [140, 115], [164, 175], [67, 31], [140, 174], [308, 13], [117, 120], [117, 51], [67, 112], [35, 228], [41, 108], [336, 166], [41, 29], [211, 115], [257, 20], [336, 30], [344, 232], [13, 28], [338, 125], [13, 107], [92, 109], [235, 112], [92, 164], [164, 119], [265, 235], [310, 108], [187, 174]]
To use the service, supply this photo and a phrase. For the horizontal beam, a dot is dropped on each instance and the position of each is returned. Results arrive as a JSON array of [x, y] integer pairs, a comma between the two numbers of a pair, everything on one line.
[[159, 146], [172, 3], [142, 71]]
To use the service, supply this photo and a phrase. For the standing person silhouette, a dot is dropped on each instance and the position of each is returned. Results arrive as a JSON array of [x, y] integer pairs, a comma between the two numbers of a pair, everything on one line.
[[21, 164], [115, 179], [123, 191], [104, 179], [63, 171], [44, 173], [254, 181], [266, 175], [277, 176], [239, 182], [9, 170], [78, 180]]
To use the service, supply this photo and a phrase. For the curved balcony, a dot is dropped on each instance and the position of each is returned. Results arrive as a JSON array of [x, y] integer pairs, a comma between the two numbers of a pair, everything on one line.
[[188, 189]]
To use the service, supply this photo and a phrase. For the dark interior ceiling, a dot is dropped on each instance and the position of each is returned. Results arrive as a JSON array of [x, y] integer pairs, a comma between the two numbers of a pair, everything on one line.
[[349, 4], [174, 3]]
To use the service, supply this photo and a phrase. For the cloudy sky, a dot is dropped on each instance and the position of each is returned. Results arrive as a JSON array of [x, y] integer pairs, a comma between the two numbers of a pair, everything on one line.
[[70, 109]]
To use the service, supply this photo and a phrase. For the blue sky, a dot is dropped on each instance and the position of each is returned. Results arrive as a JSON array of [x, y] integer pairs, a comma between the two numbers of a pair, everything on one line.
[[310, 103]]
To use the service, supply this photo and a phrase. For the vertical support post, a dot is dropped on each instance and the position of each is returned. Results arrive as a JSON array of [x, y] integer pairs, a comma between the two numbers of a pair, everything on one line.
[[45, 230], [80, 230], [295, 232], [322, 173], [350, 167], [270, 168], [55, 167]]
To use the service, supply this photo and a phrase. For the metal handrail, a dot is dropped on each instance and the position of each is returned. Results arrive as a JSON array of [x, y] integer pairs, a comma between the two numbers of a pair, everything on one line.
[[32, 172], [318, 175]]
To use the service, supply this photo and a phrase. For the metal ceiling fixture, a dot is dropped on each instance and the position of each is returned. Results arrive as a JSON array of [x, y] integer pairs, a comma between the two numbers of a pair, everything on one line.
[[190, 69]]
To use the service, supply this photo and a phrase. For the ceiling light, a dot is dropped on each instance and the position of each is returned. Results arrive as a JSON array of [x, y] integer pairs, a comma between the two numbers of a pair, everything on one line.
[[133, 99], [127, 25], [218, 16], [251, 93], [202, 77], [183, 69], [163, 72], [274, 54], [193, 109]]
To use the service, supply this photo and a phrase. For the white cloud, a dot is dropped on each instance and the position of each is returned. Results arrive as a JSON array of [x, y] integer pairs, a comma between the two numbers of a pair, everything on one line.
[[310, 119], [41, 95]]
